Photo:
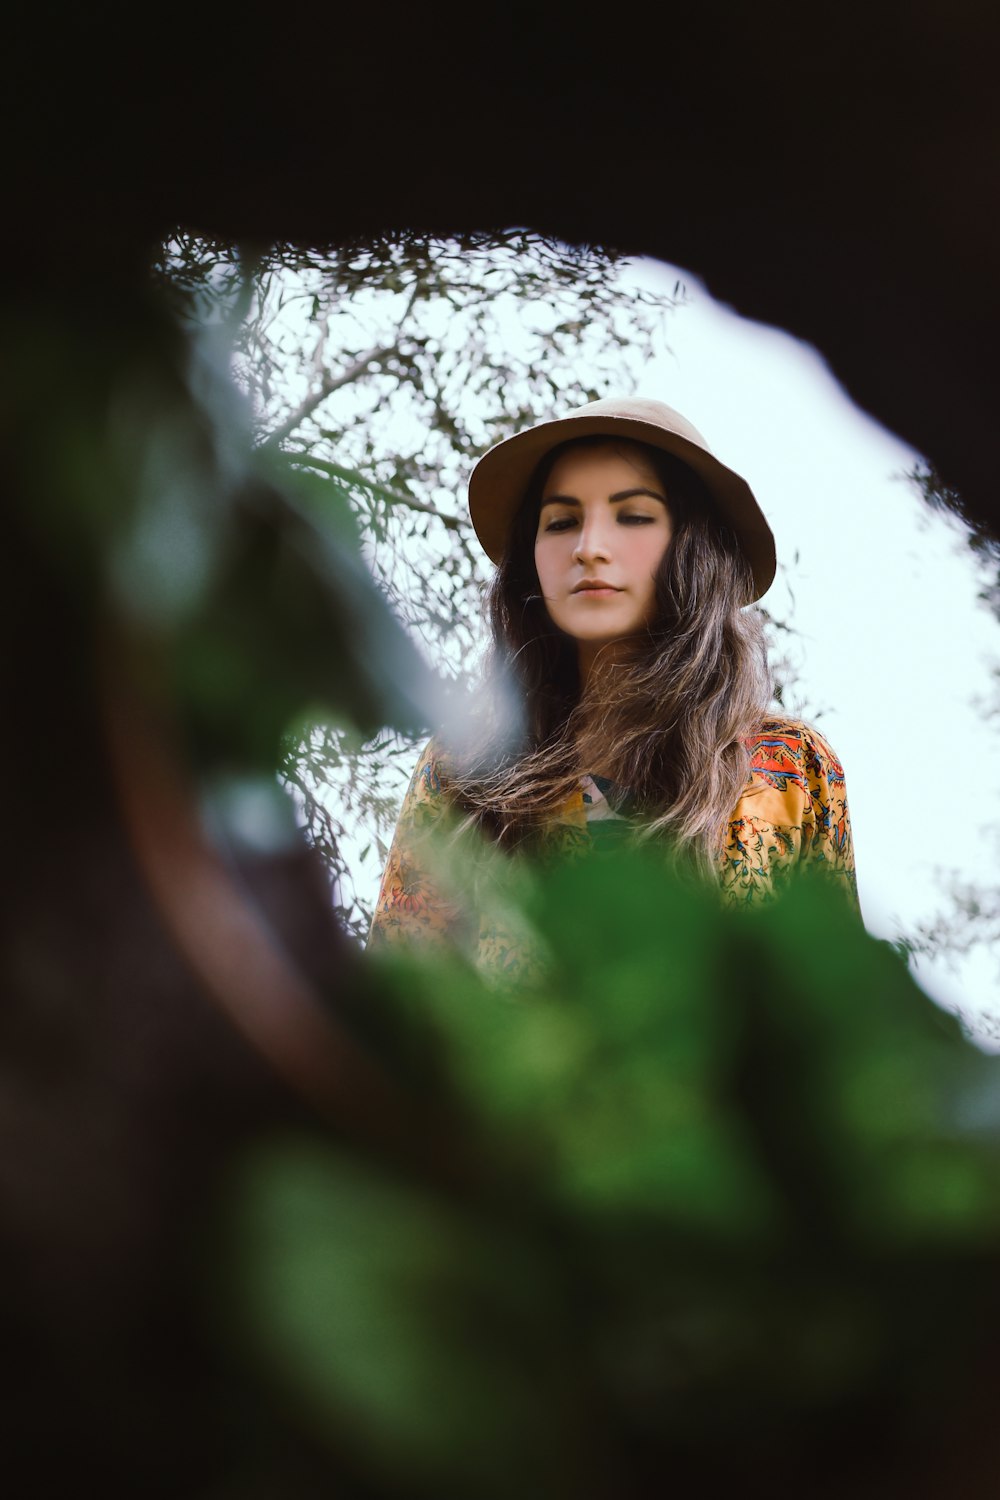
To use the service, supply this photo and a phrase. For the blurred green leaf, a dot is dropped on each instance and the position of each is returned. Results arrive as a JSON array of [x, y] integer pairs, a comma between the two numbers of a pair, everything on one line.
[[138, 479], [732, 1156], [420, 1335]]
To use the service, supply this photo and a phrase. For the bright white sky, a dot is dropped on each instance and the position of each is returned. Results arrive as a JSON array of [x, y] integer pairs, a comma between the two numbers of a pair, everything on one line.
[[895, 648]]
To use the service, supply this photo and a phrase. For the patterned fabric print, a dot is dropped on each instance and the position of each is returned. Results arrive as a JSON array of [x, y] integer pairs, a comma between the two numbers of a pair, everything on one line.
[[599, 802], [793, 813], [608, 812], [411, 906]]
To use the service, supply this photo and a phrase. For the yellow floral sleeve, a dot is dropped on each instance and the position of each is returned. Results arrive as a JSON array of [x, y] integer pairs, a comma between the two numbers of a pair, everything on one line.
[[411, 906], [793, 814]]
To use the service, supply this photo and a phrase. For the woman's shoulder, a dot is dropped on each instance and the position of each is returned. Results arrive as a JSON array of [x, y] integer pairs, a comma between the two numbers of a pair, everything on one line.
[[431, 771], [785, 745]]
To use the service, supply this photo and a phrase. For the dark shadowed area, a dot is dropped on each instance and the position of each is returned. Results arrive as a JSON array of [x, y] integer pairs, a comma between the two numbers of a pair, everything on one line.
[[834, 176]]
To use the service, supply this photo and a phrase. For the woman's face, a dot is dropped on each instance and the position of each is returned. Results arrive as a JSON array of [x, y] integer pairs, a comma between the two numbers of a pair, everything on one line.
[[602, 530]]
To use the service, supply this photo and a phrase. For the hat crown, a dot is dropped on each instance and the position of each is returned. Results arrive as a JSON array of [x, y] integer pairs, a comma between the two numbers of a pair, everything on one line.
[[642, 409]]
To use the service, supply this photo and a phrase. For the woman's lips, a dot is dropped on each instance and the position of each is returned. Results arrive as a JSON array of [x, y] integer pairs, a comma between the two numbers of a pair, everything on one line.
[[596, 590]]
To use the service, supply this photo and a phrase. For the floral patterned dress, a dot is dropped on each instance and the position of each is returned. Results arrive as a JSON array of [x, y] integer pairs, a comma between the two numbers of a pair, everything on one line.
[[792, 813]]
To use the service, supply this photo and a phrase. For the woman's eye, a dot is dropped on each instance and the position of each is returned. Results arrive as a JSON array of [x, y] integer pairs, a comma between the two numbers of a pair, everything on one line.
[[559, 523], [635, 519]]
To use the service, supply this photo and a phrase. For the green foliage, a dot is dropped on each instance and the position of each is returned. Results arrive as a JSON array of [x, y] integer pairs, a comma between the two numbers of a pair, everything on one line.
[[408, 1326], [200, 558], [725, 1174]]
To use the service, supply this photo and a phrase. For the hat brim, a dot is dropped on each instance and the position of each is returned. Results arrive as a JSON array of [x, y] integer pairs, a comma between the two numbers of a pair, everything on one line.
[[499, 480]]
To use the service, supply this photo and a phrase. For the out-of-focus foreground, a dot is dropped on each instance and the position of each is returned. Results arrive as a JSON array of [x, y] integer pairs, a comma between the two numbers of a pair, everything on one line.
[[714, 1197]]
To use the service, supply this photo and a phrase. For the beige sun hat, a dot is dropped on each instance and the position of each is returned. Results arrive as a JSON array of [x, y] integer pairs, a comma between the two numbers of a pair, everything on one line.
[[500, 478]]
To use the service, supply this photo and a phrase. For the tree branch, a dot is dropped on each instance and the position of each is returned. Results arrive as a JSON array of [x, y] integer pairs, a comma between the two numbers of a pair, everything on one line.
[[330, 383], [326, 387], [391, 497]]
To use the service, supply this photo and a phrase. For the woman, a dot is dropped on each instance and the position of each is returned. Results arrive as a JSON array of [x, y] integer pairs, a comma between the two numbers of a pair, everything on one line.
[[626, 555]]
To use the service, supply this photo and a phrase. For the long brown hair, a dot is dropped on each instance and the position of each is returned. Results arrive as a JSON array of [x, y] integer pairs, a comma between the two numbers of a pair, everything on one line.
[[669, 716]]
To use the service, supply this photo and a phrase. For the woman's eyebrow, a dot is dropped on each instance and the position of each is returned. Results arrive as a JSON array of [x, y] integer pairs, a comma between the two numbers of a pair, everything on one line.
[[639, 490], [613, 499]]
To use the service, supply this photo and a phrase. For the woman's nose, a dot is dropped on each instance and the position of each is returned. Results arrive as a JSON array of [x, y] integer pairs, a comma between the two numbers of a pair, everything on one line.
[[591, 543]]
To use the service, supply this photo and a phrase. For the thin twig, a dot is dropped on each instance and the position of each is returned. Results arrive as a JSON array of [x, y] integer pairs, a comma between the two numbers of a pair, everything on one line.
[[326, 387]]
